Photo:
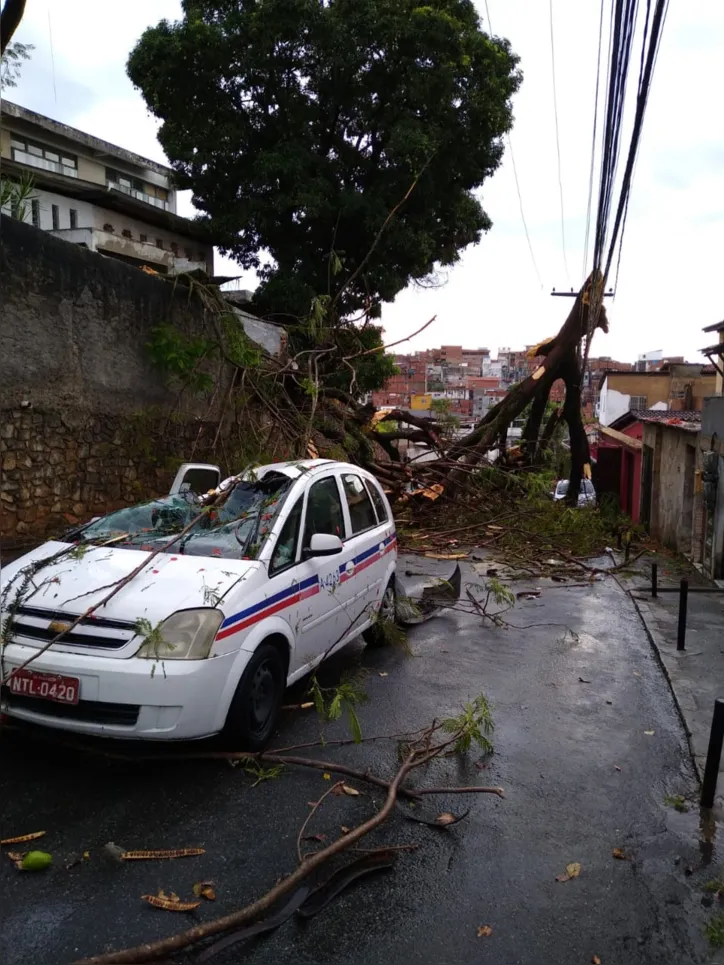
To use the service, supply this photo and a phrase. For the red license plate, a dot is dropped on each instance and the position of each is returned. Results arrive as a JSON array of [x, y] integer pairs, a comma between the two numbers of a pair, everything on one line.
[[48, 686]]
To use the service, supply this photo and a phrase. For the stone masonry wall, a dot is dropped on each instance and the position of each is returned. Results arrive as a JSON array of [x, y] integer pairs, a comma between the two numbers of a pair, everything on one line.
[[85, 424], [59, 469]]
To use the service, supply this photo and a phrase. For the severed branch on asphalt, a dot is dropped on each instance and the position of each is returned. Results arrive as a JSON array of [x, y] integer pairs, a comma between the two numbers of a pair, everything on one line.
[[317, 804], [436, 741]]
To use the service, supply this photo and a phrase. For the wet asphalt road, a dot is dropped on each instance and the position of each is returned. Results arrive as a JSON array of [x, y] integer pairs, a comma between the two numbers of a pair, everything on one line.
[[558, 743]]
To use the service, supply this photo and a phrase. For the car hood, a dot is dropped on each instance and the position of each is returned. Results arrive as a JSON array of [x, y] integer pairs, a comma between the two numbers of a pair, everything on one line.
[[74, 584]]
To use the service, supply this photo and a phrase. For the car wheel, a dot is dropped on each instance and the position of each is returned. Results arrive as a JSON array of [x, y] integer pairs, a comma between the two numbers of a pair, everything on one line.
[[374, 636], [255, 707]]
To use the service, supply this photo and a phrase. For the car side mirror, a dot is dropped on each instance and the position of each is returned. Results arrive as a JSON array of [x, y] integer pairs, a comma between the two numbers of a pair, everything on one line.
[[322, 544]]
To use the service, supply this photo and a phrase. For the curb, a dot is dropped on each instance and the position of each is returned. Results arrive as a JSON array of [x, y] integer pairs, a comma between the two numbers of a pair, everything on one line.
[[658, 650]]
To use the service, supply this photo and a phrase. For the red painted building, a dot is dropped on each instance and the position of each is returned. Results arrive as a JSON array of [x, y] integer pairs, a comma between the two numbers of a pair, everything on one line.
[[618, 466]]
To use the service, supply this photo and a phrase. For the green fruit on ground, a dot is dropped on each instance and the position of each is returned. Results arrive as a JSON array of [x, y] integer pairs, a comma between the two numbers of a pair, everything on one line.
[[36, 861]]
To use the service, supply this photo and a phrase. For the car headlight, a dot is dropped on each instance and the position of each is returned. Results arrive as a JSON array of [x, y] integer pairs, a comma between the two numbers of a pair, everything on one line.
[[185, 635]]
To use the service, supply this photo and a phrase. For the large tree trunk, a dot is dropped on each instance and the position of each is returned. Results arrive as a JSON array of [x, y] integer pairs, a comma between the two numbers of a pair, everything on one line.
[[555, 351]]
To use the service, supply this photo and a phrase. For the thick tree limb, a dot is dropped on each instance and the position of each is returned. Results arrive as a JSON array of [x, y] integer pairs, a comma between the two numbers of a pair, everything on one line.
[[501, 415], [550, 428], [580, 454], [533, 423], [12, 14]]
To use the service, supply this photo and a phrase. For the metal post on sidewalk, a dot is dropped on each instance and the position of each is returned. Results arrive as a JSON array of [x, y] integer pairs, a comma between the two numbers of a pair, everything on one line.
[[654, 579], [713, 755], [683, 599]]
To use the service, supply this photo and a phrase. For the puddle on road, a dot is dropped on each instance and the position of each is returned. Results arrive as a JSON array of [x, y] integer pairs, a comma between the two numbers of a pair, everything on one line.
[[581, 641]]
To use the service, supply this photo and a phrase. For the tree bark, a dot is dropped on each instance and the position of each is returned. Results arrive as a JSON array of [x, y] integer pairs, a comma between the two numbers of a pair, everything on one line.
[[547, 435], [531, 431], [12, 14], [555, 352], [580, 454]]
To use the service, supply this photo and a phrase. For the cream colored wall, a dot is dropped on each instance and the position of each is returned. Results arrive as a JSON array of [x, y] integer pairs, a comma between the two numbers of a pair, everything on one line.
[[4, 143], [92, 171]]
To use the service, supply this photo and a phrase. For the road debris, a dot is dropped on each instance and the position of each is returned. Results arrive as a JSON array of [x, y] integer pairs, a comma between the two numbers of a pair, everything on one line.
[[162, 855], [35, 861], [573, 870], [205, 889], [22, 838], [170, 902], [484, 931]]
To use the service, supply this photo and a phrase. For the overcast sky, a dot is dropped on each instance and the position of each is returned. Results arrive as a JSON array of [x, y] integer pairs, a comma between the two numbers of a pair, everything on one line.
[[669, 284]]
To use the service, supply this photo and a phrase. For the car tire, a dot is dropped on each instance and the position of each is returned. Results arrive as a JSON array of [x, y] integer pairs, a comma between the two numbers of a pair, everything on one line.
[[257, 703], [374, 635]]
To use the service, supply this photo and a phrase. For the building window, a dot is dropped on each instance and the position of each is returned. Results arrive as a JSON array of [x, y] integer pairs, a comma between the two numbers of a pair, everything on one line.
[[73, 218], [174, 247], [56, 217], [638, 403], [123, 182], [127, 233], [159, 242], [143, 238], [148, 193], [189, 253], [38, 156], [35, 211]]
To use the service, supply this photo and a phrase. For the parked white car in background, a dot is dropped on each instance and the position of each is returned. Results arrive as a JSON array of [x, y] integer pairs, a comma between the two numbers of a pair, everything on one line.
[[298, 560], [586, 494]]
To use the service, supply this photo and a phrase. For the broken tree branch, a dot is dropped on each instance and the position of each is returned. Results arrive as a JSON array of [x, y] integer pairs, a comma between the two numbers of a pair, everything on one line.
[[315, 808], [385, 348], [152, 950]]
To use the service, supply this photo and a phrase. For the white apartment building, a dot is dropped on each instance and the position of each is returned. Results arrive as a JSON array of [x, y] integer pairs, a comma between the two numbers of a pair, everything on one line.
[[98, 195]]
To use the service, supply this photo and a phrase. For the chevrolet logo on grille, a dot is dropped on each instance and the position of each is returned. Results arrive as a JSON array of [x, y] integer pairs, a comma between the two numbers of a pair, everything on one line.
[[58, 626]]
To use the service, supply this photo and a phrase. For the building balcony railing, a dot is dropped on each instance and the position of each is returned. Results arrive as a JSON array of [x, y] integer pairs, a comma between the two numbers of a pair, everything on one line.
[[139, 195], [22, 157]]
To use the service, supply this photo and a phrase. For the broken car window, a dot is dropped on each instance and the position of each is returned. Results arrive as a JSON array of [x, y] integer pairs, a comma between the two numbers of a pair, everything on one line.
[[235, 529], [361, 513]]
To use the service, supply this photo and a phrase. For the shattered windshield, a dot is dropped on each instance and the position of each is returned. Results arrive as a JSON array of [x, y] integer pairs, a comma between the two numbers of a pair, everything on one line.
[[234, 529]]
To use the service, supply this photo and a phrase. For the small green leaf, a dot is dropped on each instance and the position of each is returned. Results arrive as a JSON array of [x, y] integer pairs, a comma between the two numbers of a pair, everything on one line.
[[317, 697], [354, 724]]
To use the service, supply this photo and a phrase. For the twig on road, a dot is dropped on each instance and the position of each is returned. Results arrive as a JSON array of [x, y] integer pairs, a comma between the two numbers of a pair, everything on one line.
[[315, 808]]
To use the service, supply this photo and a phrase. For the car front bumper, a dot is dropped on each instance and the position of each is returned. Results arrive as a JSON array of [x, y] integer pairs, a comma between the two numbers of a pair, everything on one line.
[[132, 698]]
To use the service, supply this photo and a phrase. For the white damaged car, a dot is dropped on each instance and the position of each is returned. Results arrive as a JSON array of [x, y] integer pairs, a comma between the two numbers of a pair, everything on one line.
[[291, 563]]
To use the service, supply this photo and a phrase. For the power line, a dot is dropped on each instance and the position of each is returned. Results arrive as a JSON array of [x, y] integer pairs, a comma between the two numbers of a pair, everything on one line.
[[558, 139], [623, 25], [517, 182], [522, 212], [651, 55], [589, 206]]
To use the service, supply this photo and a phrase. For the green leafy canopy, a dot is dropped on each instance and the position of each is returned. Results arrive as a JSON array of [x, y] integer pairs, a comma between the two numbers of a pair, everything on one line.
[[299, 125]]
